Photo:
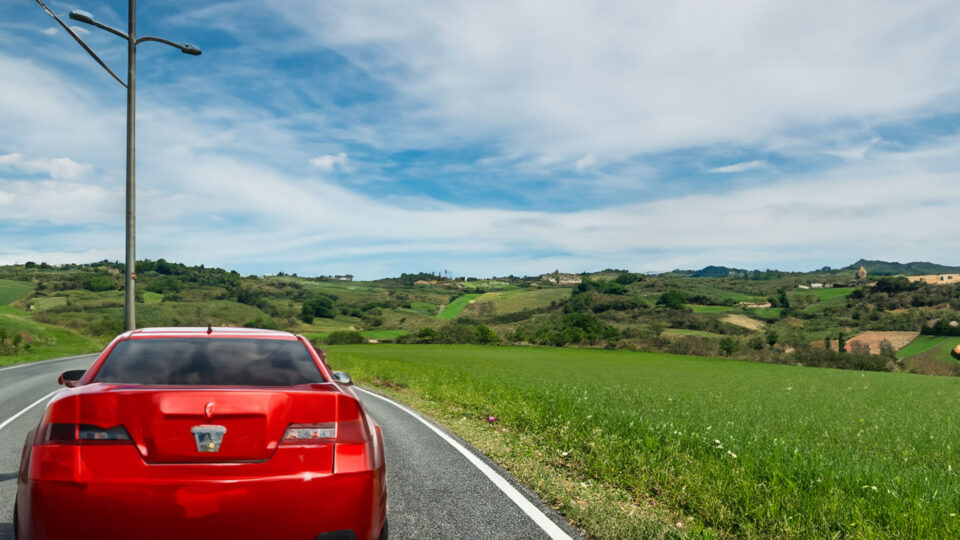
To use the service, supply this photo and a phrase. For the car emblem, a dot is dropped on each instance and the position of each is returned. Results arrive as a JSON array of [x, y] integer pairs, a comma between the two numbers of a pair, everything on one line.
[[208, 437], [208, 410]]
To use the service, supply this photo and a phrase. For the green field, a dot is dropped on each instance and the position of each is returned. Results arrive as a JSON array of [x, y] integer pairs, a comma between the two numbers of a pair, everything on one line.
[[941, 351], [686, 332], [728, 448], [456, 307], [41, 303], [767, 314], [11, 291], [424, 307], [921, 344], [152, 297], [711, 309], [521, 299], [827, 294]]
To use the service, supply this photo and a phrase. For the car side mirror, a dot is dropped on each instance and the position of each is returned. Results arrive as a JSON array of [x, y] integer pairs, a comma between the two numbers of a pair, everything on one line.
[[71, 378], [342, 378]]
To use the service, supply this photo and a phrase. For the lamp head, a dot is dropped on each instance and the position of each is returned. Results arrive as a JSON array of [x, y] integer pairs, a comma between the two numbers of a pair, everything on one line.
[[81, 16]]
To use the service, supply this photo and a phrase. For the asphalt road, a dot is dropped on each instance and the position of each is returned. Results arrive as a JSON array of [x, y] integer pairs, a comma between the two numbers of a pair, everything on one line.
[[435, 490]]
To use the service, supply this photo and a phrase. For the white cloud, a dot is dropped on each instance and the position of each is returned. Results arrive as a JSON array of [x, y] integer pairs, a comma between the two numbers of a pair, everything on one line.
[[330, 162], [80, 30], [51, 31], [557, 78], [741, 167], [585, 162], [64, 167]]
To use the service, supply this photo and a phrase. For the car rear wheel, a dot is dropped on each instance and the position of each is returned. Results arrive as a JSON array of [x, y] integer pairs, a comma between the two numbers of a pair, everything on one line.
[[16, 522], [384, 534]]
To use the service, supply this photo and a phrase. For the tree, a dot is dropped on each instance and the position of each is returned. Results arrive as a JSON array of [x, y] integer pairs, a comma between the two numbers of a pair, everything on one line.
[[841, 343], [772, 337], [728, 345], [318, 306], [887, 350], [672, 299], [426, 335], [483, 335]]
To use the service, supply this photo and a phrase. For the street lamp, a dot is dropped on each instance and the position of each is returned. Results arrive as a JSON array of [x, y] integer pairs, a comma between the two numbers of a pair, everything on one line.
[[129, 316]]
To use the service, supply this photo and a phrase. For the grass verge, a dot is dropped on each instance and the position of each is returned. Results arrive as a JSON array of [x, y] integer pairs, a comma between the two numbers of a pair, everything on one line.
[[45, 341]]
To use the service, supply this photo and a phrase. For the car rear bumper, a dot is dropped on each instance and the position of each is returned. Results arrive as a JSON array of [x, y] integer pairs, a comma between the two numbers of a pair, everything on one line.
[[223, 506]]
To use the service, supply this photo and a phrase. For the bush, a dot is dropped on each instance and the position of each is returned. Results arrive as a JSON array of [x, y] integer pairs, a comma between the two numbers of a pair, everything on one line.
[[344, 337], [627, 279], [729, 345], [456, 332], [262, 322]]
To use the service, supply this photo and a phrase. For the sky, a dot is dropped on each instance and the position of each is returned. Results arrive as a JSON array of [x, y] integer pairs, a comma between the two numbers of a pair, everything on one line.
[[488, 138]]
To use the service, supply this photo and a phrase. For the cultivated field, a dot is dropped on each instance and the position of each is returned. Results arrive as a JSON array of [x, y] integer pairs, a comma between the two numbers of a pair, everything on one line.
[[617, 438], [873, 339], [744, 321]]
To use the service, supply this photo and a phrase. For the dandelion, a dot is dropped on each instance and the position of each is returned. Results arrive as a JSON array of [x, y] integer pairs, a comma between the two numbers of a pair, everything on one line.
[[564, 454], [734, 456]]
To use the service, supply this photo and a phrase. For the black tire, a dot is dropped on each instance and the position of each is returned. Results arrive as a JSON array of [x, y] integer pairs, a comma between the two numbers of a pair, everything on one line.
[[384, 534]]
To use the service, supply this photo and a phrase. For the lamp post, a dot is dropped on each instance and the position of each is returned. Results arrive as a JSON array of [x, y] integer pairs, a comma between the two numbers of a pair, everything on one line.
[[129, 314]]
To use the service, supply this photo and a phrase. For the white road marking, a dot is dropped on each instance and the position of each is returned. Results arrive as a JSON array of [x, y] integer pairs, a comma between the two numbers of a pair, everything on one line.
[[46, 361], [27, 408], [528, 508]]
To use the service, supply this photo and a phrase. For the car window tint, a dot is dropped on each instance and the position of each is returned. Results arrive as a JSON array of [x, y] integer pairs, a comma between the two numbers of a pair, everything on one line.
[[210, 361]]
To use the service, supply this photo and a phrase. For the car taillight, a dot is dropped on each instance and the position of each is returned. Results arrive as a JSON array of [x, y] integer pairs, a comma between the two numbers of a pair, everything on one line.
[[310, 433], [83, 434]]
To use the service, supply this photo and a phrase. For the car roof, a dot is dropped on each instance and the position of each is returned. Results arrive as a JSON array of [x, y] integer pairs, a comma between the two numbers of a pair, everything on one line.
[[211, 332]]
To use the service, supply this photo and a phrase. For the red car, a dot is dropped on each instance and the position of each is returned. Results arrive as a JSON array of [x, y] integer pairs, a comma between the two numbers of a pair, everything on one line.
[[207, 433]]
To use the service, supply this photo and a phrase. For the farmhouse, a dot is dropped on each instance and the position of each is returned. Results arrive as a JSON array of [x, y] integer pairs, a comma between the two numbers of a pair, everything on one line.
[[938, 279]]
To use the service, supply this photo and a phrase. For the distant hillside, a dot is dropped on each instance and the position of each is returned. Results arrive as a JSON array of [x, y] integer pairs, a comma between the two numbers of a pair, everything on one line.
[[720, 272], [884, 268]]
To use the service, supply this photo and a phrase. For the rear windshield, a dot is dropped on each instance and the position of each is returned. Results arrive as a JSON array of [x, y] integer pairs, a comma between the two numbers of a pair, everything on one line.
[[210, 361]]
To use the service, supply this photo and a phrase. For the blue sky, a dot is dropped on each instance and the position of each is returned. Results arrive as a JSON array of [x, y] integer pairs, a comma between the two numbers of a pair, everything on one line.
[[485, 138]]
